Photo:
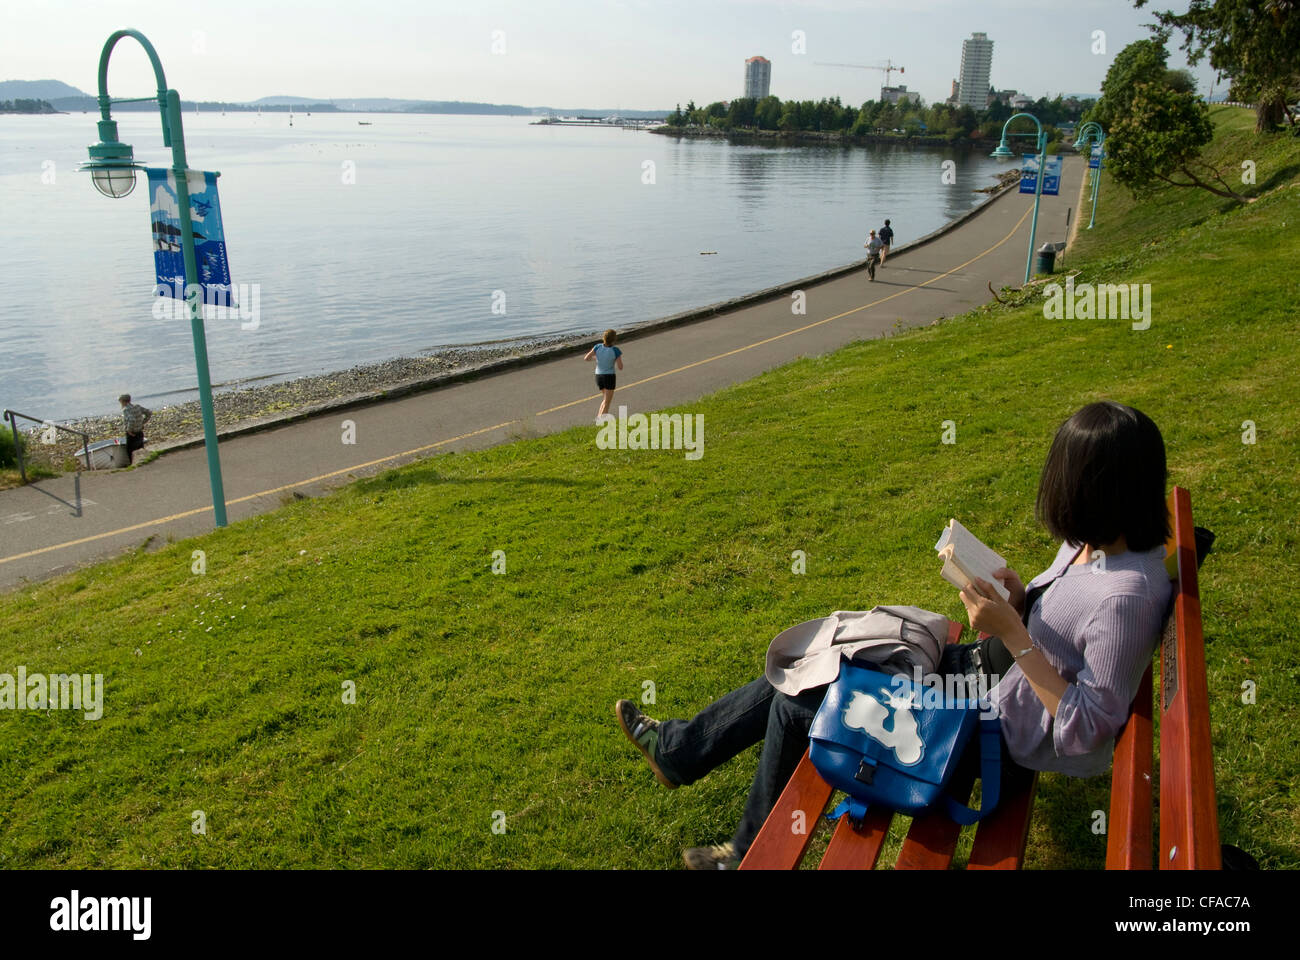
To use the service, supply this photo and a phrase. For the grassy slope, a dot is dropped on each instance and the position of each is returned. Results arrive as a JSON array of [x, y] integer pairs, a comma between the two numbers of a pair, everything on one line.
[[479, 693]]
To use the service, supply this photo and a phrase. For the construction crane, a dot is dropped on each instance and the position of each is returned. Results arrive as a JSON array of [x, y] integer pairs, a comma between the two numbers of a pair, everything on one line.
[[887, 67]]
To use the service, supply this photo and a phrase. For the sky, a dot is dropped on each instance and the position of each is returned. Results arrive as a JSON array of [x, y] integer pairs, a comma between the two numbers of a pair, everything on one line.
[[629, 54]]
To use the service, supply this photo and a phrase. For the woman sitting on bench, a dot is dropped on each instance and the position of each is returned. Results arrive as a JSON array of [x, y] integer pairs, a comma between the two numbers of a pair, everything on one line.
[[1069, 650]]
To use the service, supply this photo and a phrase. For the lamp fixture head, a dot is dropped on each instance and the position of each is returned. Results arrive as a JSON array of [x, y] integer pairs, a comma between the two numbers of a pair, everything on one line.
[[112, 164]]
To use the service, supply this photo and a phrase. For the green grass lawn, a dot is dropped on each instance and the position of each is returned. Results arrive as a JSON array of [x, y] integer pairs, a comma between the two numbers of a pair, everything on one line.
[[478, 692]]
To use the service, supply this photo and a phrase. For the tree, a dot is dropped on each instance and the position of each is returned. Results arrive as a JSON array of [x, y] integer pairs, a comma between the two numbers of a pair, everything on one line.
[[742, 112], [1142, 61], [1158, 138], [1181, 81], [1256, 43], [768, 113]]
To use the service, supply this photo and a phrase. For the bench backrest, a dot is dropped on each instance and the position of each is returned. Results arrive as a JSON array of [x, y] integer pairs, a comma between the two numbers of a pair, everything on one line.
[[1189, 819], [1189, 828]]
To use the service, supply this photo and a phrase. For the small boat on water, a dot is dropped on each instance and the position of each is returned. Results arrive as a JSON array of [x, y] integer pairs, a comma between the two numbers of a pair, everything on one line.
[[363, 123]]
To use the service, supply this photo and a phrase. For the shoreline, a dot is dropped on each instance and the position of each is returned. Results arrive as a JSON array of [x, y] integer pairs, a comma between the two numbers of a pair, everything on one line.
[[251, 409], [179, 425], [830, 138]]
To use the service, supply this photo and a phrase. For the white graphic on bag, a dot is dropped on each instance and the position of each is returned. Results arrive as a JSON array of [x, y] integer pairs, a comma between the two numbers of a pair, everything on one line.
[[868, 714]]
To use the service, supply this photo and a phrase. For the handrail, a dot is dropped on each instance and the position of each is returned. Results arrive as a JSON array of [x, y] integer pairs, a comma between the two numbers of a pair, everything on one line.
[[12, 415]]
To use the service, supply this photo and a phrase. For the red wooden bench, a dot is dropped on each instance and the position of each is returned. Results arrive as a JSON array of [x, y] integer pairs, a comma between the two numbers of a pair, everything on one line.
[[1189, 828]]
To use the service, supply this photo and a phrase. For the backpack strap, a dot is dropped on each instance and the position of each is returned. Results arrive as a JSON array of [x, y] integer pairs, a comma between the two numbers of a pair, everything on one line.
[[990, 775], [856, 810]]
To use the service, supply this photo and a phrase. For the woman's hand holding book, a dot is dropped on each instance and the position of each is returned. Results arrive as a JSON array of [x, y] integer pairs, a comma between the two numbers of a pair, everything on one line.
[[1011, 580], [989, 613]]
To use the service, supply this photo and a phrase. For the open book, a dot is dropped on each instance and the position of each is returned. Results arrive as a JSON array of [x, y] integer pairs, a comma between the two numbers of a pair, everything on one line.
[[965, 558]]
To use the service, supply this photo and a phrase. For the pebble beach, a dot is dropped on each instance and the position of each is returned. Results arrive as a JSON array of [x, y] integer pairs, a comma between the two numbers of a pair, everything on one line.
[[240, 406]]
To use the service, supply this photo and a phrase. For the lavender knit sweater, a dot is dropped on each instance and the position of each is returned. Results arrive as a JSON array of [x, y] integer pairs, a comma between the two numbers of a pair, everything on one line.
[[1099, 631]]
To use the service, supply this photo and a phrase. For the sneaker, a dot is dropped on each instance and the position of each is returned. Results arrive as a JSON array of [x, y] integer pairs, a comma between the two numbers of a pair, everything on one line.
[[643, 731], [721, 856]]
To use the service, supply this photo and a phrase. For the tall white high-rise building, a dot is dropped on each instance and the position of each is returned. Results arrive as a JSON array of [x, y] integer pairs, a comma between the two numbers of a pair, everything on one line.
[[758, 77], [976, 65]]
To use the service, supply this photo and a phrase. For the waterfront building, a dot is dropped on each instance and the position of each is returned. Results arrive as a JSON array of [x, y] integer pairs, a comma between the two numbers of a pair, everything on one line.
[[899, 94], [758, 77], [976, 65], [954, 99]]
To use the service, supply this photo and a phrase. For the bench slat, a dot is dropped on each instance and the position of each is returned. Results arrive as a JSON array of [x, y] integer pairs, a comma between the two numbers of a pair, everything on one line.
[[857, 848], [1001, 837], [932, 839], [777, 846], [1189, 824], [1129, 830]]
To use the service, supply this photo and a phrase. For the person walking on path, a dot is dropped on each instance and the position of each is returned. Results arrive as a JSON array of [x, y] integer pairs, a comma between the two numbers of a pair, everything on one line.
[[886, 240], [134, 417], [873, 245], [607, 357]]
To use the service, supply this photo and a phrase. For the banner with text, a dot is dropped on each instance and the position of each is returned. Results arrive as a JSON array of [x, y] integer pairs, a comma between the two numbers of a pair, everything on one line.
[[209, 236], [1029, 175]]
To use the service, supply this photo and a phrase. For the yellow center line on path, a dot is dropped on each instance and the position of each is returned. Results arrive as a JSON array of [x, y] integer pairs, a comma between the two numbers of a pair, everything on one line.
[[254, 496], [475, 433], [790, 333]]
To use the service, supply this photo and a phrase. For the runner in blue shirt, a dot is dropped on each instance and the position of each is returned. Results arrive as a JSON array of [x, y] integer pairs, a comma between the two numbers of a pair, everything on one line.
[[607, 357], [886, 238]]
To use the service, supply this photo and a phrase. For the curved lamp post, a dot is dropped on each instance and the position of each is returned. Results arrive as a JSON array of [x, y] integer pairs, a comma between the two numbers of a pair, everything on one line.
[[1091, 131], [112, 169], [1004, 152]]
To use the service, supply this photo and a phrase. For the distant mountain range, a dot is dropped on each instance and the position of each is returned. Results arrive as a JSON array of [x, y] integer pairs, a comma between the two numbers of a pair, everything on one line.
[[38, 90], [67, 98]]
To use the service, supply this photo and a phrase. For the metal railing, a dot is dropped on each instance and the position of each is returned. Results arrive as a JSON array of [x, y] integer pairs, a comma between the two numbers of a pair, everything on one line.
[[13, 415]]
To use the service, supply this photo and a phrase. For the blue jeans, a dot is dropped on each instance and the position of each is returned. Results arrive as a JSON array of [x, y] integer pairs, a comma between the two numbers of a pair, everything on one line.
[[689, 749]]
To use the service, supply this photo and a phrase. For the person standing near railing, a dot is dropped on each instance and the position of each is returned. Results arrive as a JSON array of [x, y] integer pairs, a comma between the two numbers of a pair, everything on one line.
[[134, 417]]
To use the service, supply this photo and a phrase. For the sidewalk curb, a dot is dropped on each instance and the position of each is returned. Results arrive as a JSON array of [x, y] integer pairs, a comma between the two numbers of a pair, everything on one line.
[[555, 351]]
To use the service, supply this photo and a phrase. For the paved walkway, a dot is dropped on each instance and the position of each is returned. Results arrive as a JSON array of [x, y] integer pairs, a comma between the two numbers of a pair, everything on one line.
[[53, 526]]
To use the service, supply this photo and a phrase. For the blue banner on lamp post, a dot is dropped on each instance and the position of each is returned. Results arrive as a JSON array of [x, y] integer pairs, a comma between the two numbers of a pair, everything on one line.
[[209, 237], [1094, 160], [1051, 179]]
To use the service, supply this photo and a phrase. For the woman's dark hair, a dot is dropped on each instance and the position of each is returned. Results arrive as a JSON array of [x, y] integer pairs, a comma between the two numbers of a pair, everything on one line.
[[1105, 478]]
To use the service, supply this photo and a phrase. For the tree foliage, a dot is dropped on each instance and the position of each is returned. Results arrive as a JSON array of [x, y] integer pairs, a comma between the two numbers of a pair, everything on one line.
[[1256, 43], [22, 105], [831, 115], [1155, 127]]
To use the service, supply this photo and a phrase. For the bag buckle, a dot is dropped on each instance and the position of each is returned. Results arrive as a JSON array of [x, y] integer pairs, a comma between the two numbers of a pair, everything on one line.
[[866, 772]]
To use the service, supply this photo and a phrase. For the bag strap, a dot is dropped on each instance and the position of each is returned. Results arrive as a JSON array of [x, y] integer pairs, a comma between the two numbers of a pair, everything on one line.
[[990, 775], [855, 808]]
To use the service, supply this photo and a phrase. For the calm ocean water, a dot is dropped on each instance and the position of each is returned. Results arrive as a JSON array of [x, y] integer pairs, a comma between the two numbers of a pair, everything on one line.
[[443, 211]]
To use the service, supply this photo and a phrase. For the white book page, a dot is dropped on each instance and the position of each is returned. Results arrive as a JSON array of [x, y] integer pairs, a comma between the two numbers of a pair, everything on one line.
[[965, 556]]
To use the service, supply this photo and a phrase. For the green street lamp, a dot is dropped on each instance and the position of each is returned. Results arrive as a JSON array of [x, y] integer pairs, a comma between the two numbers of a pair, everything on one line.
[[1003, 152], [1088, 132], [112, 170]]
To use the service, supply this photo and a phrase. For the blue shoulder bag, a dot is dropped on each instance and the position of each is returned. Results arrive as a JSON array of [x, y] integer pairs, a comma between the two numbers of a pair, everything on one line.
[[887, 740]]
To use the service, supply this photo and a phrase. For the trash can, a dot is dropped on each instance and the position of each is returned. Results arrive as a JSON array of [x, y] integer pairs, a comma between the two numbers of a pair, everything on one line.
[[1046, 258]]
